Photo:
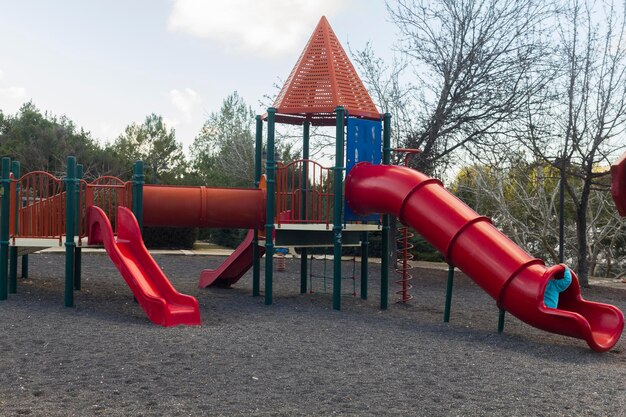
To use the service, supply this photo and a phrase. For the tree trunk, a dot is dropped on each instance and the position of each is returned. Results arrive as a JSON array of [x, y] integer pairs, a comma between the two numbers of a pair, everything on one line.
[[581, 233]]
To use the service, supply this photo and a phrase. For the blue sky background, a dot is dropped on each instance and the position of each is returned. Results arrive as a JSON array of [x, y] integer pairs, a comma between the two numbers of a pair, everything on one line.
[[108, 64]]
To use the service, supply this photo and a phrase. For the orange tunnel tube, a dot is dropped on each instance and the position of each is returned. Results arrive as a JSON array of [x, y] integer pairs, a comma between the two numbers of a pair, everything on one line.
[[176, 206]]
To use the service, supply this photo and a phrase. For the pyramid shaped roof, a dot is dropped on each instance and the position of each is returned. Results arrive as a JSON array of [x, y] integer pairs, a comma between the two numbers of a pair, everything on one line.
[[322, 79]]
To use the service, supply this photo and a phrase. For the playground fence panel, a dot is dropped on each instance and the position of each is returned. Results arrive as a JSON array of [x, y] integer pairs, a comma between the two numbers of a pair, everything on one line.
[[305, 188]]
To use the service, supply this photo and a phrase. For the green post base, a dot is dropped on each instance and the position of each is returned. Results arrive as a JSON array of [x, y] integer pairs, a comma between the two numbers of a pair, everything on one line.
[[304, 254], [77, 268], [446, 313], [24, 266], [12, 270], [269, 269], [501, 321]]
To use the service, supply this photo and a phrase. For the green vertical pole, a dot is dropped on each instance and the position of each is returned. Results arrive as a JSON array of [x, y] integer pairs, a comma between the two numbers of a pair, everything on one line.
[[446, 312], [15, 169], [78, 252], [138, 182], [4, 226], [364, 263], [24, 266], [70, 223], [384, 260], [270, 209], [256, 259], [501, 321], [337, 209], [304, 183]]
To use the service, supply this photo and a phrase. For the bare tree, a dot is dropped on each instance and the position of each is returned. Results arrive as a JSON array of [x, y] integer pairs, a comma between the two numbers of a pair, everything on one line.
[[476, 63], [581, 126], [390, 89]]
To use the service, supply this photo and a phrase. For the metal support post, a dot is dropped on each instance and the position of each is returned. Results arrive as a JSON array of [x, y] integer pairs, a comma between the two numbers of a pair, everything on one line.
[[4, 226], [270, 169], [15, 169], [384, 261], [338, 206], [304, 185], [256, 259], [78, 255], [138, 182], [70, 222], [446, 312]]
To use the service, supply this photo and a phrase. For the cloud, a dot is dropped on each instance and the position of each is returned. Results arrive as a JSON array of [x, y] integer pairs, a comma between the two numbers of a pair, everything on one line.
[[1, 75], [13, 93], [185, 101], [261, 27]]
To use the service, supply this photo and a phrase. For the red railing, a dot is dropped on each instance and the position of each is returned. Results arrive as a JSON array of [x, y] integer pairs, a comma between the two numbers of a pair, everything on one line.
[[305, 188], [108, 193], [40, 206]]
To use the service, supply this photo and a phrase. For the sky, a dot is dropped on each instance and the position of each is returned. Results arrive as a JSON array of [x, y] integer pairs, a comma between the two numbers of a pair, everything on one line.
[[107, 64]]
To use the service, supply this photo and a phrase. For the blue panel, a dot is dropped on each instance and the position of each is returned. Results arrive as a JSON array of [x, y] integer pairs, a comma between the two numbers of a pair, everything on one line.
[[363, 144]]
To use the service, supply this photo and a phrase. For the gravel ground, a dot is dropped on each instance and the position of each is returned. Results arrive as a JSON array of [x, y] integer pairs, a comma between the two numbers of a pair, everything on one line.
[[296, 357]]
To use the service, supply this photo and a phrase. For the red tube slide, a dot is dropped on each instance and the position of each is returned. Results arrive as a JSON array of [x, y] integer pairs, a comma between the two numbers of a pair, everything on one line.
[[470, 242], [177, 206], [618, 185]]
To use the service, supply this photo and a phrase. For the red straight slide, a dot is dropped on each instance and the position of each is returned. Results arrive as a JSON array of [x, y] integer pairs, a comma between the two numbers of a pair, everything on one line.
[[233, 267], [154, 292], [470, 242]]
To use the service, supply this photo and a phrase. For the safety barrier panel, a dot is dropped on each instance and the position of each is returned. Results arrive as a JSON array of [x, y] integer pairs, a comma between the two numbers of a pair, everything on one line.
[[304, 188]]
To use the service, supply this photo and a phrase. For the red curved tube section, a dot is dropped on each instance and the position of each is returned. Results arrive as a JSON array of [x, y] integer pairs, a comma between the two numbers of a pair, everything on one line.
[[154, 292], [178, 206], [469, 241], [618, 185]]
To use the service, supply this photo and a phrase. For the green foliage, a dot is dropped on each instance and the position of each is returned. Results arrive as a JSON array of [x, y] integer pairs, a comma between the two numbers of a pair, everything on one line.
[[169, 237], [223, 151], [156, 145], [230, 238], [43, 141]]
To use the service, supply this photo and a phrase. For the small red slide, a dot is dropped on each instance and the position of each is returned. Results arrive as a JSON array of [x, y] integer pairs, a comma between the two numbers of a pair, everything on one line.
[[233, 267], [154, 292]]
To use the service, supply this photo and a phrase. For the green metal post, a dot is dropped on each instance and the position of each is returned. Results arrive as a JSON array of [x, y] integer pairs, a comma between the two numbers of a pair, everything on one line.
[[337, 209], [24, 266], [270, 169], [304, 182], [256, 259], [446, 312], [70, 223], [501, 321], [384, 261], [78, 252], [364, 263], [138, 182], [15, 169], [4, 226]]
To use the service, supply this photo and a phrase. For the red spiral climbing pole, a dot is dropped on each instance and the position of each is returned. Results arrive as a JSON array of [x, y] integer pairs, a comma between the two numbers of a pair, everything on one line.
[[404, 264], [404, 246]]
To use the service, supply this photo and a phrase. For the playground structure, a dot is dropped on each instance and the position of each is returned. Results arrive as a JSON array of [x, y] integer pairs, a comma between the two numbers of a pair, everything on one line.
[[300, 204]]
